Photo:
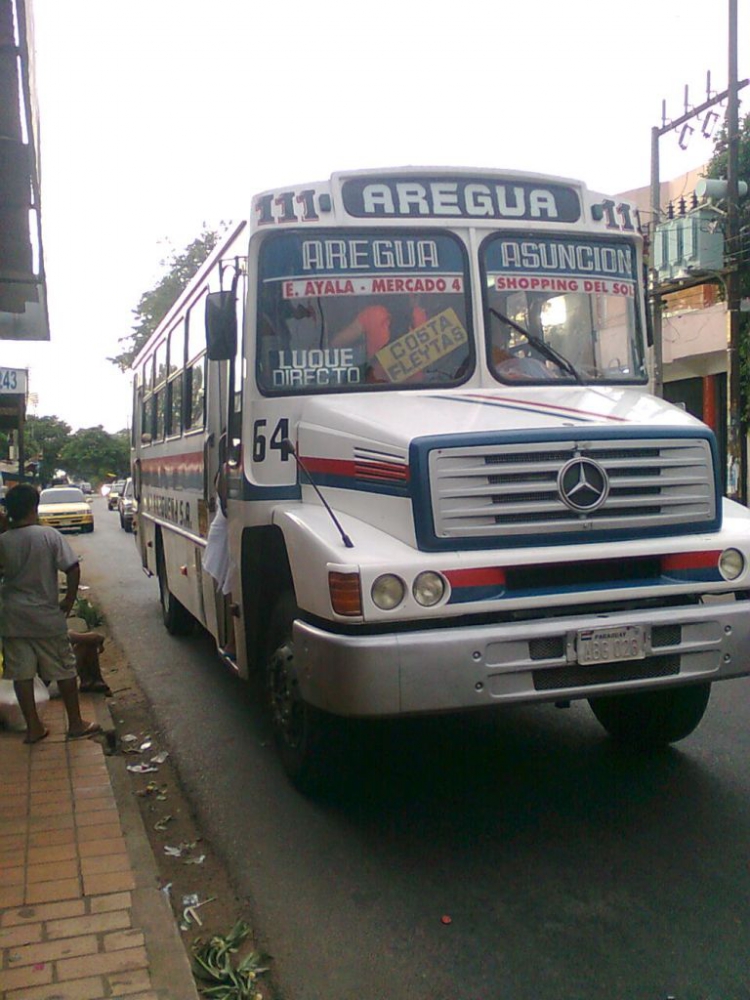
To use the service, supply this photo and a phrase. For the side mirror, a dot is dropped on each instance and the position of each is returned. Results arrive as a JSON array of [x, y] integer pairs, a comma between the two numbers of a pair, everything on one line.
[[221, 326]]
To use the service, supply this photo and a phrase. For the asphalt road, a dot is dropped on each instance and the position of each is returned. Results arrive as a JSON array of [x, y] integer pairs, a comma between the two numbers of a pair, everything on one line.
[[568, 871]]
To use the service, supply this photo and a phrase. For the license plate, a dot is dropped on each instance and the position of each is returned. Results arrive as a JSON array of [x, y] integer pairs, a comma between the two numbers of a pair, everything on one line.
[[609, 645]]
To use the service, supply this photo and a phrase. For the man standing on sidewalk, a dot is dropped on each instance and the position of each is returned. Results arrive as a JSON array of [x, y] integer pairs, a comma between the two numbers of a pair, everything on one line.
[[35, 637]]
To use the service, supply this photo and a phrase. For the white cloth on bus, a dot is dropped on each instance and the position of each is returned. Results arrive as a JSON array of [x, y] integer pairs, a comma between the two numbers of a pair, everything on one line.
[[216, 561]]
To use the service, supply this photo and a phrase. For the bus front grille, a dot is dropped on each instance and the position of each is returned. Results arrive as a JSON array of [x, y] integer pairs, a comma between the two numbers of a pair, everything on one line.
[[508, 491]]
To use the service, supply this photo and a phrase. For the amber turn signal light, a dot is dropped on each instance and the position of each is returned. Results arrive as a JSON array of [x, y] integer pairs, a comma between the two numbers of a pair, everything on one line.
[[346, 593]]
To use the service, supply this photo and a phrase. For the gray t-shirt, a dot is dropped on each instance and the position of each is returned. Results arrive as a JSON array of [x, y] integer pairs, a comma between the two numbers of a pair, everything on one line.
[[30, 558]]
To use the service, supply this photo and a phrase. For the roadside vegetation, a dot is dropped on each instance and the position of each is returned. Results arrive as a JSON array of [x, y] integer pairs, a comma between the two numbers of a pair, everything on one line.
[[90, 454]]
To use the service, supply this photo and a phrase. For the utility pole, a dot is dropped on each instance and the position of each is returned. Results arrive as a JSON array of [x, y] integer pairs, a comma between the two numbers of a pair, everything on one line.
[[656, 302], [736, 465], [656, 134], [736, 445]]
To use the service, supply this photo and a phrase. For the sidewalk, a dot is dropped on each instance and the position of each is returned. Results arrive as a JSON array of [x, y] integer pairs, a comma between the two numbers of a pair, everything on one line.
[[81, 917]]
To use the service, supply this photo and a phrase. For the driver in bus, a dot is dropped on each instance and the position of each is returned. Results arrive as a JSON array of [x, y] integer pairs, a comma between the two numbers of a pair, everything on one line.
[[372, 324]]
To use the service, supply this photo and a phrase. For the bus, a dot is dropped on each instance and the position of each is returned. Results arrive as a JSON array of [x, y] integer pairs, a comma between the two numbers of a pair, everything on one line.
[[417, 404]]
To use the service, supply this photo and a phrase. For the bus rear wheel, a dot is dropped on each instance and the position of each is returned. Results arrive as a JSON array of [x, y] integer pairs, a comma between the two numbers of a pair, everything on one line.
[[177, 619], [306, 738], [652, 719]]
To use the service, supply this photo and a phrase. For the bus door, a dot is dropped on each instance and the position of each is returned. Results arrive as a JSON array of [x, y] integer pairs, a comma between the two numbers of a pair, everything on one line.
[[222, 459]]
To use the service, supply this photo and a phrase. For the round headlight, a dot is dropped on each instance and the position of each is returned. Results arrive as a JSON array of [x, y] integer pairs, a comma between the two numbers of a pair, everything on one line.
[[731, 564], [428, 589], [388, 592]]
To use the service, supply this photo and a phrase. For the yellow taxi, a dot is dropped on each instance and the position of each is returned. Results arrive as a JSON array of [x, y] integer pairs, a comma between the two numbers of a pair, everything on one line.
[[65, 508]]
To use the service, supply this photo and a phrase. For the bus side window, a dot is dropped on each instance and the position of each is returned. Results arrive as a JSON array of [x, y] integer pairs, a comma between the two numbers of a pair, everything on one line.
[[147, 419], [160, 400], [234, 444], [174, 415], [174, 406], [195, 395]]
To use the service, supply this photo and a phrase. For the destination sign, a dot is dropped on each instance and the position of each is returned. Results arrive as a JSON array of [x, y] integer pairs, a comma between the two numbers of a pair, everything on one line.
[[478, 197], [547, 264], [350, 261]]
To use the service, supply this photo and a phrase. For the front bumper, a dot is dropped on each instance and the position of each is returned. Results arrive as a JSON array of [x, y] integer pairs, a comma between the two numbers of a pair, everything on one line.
[[472, 666], [69, 522]]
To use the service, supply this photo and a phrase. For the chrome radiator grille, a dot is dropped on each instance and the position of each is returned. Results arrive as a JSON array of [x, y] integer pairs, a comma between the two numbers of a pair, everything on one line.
[[508, 490]]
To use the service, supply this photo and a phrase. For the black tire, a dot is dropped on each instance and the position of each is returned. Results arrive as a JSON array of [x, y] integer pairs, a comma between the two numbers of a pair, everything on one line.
[[651, 719], [309, 741], [176, 617]]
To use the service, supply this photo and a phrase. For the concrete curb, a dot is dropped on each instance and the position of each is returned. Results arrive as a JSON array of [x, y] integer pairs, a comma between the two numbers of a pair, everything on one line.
[[171, 975]]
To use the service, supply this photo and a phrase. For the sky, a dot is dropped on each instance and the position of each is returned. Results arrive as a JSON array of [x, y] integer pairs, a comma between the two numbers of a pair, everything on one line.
[[160, 116]]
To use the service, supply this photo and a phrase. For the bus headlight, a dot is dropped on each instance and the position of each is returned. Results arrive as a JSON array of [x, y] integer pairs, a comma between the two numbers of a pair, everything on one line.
[[731, 564], [428, 589], [388, 592]]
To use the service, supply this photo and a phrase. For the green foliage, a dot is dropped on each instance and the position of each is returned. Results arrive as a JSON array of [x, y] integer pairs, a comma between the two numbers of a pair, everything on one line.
[[155, 303], [92, 453], [717, 167], [225, 978], [740, 254], [44, 440], [83, 608]]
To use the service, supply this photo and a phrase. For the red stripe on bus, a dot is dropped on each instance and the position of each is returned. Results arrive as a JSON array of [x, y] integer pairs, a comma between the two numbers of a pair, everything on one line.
[[355, 469], [482, 577], [690, 560], [194, 460]]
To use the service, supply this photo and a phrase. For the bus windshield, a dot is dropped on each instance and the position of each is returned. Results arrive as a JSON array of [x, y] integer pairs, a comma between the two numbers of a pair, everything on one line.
[[561, 309], [362, 310]]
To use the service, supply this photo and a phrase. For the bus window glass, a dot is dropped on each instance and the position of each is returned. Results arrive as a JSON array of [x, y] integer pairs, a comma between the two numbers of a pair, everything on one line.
[[160, 400], [195, 395], [561, 308], [195, 327], [177, 347], [239, 369], [148, 374], [137, 408], [148, 414], [175, 406], [362, 310], [160, 363]]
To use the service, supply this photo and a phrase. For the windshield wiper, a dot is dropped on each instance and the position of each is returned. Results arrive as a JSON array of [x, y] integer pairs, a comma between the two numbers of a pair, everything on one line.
[[549, 352]]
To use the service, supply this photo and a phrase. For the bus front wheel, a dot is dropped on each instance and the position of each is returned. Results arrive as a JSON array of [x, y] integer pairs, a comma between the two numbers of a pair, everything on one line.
[[306, 738], [651, 719]]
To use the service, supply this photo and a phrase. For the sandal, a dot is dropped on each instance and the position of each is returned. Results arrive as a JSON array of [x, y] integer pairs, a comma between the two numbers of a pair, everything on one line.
[[91, 730]]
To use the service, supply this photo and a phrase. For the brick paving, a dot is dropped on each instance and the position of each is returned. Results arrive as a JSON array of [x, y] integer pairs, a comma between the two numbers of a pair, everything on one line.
[[67, 929]]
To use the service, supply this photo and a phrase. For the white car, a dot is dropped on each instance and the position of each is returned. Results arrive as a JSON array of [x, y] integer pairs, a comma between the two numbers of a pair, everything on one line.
[[126, 506], [65, 508]]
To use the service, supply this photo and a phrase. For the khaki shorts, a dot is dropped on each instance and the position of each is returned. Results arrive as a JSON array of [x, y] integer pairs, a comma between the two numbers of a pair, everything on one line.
[[53, 659]]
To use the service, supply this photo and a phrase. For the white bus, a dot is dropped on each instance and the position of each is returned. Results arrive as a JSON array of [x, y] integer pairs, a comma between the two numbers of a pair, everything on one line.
[[422, 396]]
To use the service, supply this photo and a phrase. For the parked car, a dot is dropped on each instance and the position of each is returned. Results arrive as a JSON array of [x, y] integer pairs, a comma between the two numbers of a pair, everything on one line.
[[126, 506], [114, 494], [65, 508], [87, 488]]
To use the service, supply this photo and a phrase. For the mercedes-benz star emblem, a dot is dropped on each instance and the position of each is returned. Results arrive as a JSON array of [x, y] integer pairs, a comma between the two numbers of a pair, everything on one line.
[[583, 484]]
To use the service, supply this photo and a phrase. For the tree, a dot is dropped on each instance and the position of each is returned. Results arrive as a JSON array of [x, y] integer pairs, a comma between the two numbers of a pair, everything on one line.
[[717, 167], [156, 303], [94, 454], [44, 440], [739, 255]]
